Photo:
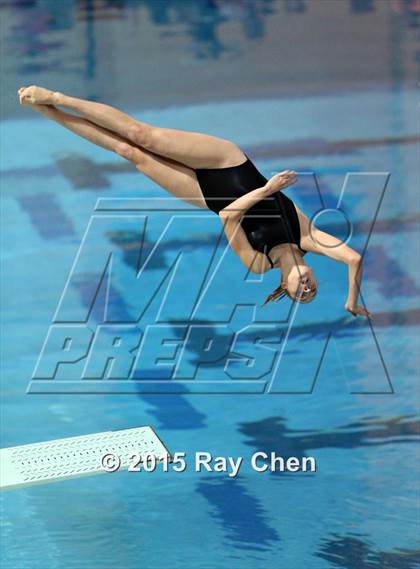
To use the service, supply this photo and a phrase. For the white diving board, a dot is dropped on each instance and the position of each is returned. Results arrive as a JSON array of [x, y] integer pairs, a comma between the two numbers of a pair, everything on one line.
[[73, 457]]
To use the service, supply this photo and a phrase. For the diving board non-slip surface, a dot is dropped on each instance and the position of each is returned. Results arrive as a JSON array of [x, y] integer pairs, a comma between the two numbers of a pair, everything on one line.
[[74, 457]]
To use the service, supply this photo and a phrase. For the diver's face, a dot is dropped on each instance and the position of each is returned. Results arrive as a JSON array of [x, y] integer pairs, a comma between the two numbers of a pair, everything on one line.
[[301, 284]]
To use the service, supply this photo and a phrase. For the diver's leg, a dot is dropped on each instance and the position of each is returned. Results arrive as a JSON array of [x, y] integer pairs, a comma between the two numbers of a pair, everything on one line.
[[193, 149], [82, 127], [175, 178]]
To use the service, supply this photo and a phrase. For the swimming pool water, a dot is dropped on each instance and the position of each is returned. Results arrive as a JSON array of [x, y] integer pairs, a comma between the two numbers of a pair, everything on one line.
[[264, 74]]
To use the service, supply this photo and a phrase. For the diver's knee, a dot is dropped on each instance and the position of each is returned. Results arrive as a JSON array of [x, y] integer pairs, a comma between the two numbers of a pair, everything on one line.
[[141, 134], [125, 150], [131, 153]]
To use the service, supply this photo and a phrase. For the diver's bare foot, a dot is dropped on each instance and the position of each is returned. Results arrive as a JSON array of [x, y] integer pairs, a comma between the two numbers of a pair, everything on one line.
[[39, 108], [34, 95]]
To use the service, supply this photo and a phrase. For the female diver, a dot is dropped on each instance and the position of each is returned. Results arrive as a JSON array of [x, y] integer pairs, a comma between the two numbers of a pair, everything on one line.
[[263, 226]]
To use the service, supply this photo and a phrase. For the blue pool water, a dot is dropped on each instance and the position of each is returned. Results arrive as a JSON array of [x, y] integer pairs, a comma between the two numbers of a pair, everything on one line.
[[325, 88]]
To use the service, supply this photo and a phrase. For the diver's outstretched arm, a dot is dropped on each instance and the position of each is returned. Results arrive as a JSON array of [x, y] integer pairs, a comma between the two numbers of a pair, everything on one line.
[[325, 244]]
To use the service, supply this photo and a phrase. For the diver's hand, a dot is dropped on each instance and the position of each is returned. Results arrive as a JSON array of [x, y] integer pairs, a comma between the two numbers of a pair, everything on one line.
[[357, 310], [279, 182]]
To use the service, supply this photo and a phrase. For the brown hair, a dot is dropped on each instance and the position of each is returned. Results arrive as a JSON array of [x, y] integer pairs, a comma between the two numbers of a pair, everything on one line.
[[277, 293]]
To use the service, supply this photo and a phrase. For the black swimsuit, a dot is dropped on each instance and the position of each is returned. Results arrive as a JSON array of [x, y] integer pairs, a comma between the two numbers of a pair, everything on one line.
[[269, 222]]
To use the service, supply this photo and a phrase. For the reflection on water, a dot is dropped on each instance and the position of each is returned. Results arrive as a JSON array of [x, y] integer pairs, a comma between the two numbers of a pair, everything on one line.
[[273, 434], [341, 328], [241, 514], [67, 44], [200, 19], [351, 552], [175, 412], [47, 216]]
